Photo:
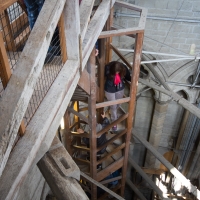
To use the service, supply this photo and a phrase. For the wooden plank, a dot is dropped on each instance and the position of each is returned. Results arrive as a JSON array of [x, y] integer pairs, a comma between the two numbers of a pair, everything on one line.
[[85, 13], [92, 122], [101, 186], [95, 27], [72, 28], [128, 5], [84, 82], [132, 103], [111, 153], [184, 181], [110, 169], [143, 17], [5, 4], [67, 136], [118, 135], [120, 32], [107, 128], [63, 46], [136, 191], [40, 131], [114, 102], [147, 179], [78, 114], [21, 85], [121, 56], [4, 65]]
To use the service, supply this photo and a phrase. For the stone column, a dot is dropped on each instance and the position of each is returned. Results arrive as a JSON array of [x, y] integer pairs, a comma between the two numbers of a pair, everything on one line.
[[159, 115]]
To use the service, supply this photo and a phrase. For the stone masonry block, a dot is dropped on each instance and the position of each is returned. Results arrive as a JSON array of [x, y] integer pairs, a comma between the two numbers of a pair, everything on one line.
[[196, 7], [178, 40], [196, 29], [161, 4], [174, 5], [187, 6], [185, 14], [176, 27]]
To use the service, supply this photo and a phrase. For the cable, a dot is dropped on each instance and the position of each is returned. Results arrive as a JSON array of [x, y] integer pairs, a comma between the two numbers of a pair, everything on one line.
[[157, 41]]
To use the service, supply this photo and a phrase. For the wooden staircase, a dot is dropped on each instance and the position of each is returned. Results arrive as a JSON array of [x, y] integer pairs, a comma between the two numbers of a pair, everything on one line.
[[86, 110]]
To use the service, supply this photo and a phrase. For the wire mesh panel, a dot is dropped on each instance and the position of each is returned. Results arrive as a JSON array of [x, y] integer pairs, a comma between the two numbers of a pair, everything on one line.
[[16, 23]]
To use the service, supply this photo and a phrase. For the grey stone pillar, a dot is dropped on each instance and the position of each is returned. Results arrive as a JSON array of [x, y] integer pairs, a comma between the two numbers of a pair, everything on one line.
[[159, 115]]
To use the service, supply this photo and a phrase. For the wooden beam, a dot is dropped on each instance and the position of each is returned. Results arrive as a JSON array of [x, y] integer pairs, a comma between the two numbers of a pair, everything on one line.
[[4, 65], [21, 85], [84, 82], [121, 32], [147, 179], [85, 13], [184, 181], [101, 186], [114, 102], [63, 46], [132, 103], [128, 5], [110, 169], [78, 114], [92, 122], [72, 28], [95, 27], [4, 4]]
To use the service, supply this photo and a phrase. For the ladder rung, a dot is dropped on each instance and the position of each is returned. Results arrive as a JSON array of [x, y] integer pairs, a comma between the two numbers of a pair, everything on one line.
[[114, 102], [112, 139], [111, 168], [111, 153], [81, 148], [80, 134]]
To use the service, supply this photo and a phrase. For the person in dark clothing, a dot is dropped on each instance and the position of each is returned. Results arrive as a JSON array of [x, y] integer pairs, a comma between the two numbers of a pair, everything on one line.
[[33, 9], [115, 73], [100, 140]]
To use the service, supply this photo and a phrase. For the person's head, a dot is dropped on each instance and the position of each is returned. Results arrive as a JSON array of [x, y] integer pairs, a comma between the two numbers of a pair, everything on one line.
[[117, 68]]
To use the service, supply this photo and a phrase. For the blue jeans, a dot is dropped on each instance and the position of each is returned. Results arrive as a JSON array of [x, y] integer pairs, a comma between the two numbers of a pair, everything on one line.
[[33, 9]]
